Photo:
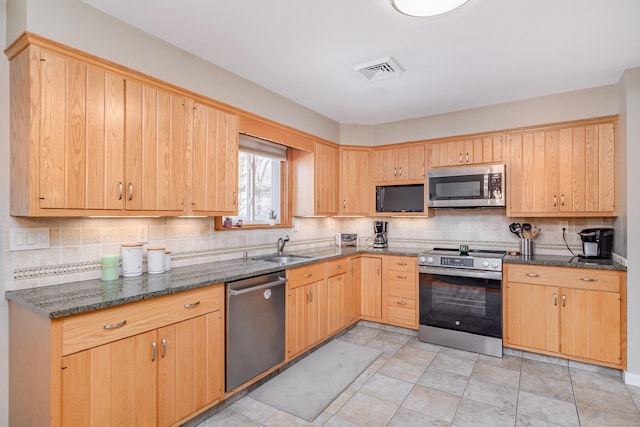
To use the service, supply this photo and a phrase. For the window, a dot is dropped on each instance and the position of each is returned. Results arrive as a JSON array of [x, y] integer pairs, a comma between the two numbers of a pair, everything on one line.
[[260, 186]]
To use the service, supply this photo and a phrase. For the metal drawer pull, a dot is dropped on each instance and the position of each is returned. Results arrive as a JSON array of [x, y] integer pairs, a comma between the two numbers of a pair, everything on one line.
[[193, 304], [588, 279], [532, 275], [401, 303], [555, 299], [338, 266], [130, 191], [155, 351], [401, 277], [164, 347], [308, 275], [120, 192], [564, 300], [401, 263], [115, 325]]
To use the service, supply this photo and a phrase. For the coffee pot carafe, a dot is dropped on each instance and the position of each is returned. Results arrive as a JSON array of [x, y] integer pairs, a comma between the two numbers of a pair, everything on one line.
[[380, 229]]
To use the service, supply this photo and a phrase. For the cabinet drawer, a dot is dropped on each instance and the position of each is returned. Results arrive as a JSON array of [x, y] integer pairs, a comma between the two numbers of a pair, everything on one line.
[[337, 266], [402, 317], [306, 274], [399, 263], [402, 276], [401, 302], [565, 277], [402, 293], [100, 327]]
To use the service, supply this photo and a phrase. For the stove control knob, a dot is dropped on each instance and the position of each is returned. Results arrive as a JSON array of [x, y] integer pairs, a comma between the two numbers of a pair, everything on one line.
[[430, 260], [485, 264], [422, 259], [495, 264]]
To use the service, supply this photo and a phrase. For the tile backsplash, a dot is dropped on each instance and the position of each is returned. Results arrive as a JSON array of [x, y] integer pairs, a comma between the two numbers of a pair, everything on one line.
[[77, 244]]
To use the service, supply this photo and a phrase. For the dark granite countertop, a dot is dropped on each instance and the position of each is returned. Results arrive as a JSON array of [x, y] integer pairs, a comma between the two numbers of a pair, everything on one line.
[[67, 299], [564, 261]]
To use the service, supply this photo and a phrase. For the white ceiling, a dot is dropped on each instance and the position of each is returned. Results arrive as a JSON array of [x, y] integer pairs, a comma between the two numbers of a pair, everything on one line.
[[486, 52]]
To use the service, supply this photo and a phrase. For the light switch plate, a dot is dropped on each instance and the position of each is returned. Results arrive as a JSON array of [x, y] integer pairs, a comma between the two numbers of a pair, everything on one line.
[[26, 239]]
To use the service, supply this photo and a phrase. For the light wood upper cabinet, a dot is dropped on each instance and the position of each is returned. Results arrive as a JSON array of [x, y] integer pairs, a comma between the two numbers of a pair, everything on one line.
[[571, 312], [315, 180], [356, 189], [470, 151], [405, 163], [215, 161], [563, 172], [67, 136]]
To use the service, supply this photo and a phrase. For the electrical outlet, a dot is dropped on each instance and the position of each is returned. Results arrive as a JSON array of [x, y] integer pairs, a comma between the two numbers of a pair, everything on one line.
[[25, 239], [564, 225]]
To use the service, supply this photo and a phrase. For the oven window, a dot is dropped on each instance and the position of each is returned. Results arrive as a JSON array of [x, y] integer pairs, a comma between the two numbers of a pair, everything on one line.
[[460, 303]]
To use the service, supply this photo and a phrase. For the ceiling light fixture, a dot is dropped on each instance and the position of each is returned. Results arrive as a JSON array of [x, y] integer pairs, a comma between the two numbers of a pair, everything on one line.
[[426, 7]]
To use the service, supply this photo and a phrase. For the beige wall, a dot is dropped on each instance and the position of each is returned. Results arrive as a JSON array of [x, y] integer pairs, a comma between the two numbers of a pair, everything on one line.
[[582, 104]]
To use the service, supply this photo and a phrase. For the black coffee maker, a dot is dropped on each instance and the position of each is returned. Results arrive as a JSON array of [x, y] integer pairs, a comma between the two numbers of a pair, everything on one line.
[[597, 243], [380, 229]]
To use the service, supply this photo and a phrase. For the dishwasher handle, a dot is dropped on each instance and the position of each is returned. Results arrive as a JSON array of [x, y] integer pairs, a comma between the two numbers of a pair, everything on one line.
[[233, 292]]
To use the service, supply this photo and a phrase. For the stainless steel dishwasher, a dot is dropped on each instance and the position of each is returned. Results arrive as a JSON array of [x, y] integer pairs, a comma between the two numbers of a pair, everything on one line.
[[255, 326]]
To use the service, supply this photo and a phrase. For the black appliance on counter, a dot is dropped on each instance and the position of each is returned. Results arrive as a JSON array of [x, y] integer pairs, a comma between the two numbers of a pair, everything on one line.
[[460, 297], [597, 243]]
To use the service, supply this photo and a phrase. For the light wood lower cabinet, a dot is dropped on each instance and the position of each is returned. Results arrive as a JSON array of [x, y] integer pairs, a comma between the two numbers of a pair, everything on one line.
[[164, 364], [306, 309], [569, 312], [371, 288], [401, 275]]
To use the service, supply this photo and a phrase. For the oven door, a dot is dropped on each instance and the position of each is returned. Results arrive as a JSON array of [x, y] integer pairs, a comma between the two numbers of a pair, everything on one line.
[[462, 300]]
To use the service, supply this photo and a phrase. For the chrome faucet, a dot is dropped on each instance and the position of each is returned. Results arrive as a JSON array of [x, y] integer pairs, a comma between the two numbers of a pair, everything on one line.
[[281, 243]]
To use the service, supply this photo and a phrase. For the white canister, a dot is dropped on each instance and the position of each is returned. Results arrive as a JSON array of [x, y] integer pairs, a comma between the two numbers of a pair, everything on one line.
[[167, 260], [155, 260], [131, 259]]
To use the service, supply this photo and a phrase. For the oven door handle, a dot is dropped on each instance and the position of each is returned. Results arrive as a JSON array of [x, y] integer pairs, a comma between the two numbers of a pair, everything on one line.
[[494, 275]]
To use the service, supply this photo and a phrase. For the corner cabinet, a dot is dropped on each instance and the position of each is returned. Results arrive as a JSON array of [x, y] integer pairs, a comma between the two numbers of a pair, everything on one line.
[[563, 171], [357, 195], [155, 362], [315, 180], [89, 137], [575, 313]]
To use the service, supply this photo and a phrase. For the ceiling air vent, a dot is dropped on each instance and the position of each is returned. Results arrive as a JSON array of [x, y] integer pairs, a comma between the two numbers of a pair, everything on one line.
[[379, 69]]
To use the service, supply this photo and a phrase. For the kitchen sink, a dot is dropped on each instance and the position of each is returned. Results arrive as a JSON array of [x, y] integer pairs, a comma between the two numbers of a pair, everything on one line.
[[280, 259]]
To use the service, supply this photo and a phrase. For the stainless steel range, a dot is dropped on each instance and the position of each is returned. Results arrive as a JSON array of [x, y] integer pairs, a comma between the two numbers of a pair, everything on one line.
[[461, 299]]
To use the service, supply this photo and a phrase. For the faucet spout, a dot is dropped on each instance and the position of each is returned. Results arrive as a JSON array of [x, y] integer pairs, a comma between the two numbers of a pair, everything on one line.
[[281, 242]]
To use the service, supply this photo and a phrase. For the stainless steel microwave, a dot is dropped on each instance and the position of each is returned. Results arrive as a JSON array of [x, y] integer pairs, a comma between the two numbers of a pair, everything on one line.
[[467, 187]]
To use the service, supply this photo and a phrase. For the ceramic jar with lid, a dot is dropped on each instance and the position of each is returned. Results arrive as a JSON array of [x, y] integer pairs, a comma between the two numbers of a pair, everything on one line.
[[155, 260], [131, 259]]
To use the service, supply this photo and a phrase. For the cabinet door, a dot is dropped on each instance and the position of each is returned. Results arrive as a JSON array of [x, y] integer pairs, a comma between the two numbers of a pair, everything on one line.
[[215, 161], [157, 133], [371, 287], [415, 164], [297, 319], [317, 321], [533, 173], [357, 191], [355, 268], [336, 297], [113, 384], [590, 324], [81, 135], [189, 371], [326, 178], [586, 161], [383, 165], [533, 316]]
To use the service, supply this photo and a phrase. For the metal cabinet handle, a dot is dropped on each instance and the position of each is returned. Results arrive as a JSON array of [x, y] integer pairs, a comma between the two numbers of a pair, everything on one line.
[[164, 347], [401, 277], [311, 295], [130, 191], [588, 279], [460, 158], [401, 302], [120, 190], [562, 199], [235, 198], [555, 200], [193, 304], [401, 263], [564, 300], [308, 275], [344, 204], [532, 275], [395, 171], [400, 171], [378, 270], [155, 351], [338, 266], [115, 325], [467, 157], [555, 299]]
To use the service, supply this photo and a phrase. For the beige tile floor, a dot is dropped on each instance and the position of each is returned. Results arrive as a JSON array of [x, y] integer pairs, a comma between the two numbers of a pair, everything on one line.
[[419, 384]]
